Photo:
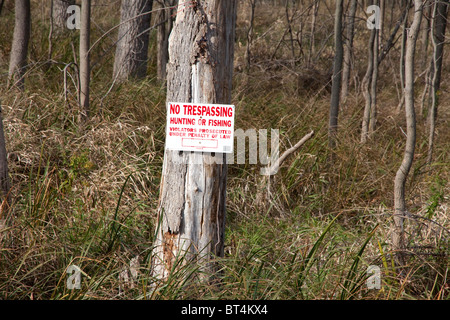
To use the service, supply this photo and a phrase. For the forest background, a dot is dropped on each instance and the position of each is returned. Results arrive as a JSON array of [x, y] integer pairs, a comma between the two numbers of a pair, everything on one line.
[[86, 193]]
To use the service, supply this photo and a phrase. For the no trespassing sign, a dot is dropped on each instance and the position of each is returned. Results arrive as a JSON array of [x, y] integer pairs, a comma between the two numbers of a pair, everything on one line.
[[200, 127]]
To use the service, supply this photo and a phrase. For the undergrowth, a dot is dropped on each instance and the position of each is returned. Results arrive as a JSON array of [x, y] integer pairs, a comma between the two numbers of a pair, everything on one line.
[[88, 195]]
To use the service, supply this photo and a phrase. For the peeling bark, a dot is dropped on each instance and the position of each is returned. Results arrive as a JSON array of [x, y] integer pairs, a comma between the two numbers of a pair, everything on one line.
[[192, 195]]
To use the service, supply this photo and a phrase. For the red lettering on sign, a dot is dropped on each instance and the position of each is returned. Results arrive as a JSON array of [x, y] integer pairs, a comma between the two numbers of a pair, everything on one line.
[[174, 109]]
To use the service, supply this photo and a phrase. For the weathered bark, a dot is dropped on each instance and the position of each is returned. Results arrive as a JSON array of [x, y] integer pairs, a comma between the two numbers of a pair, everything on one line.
[[193, 186], [19, 50], [337, 76], [348, 50], [60, 15], [85, 69], [398, 236], [438, 39], [4, 177], [133, 38]]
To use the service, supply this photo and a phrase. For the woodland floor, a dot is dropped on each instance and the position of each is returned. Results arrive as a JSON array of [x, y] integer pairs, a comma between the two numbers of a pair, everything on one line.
[[87, 195]]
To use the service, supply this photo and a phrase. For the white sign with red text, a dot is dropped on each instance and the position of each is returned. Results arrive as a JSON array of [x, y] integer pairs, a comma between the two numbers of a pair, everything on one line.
[[200, 127]]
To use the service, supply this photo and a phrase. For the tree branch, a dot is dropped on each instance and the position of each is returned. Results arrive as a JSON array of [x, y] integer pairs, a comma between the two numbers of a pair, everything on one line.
[[275, 166]]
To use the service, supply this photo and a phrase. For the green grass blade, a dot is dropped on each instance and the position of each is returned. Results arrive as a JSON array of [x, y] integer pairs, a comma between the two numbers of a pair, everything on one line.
[[308, 262], [346, 291]]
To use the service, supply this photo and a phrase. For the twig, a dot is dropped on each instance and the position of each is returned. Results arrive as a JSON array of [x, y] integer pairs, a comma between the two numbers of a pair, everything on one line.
[[65, 79], [275, 166]]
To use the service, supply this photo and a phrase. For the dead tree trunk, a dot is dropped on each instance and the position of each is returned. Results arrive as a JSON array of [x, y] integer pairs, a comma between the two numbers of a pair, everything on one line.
[[19, 49], [398, 237], [337, 76], [131, 56], [193, 186], [438, 40], [85, 69]]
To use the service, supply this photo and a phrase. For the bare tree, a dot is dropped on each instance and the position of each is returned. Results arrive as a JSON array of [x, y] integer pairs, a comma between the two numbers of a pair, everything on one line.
[[337, 75], [348, 49], [371, 78], [133, 39], [398, 237], [85, 69], [390, 42], [438, 39], [193, 187], [19, 50]]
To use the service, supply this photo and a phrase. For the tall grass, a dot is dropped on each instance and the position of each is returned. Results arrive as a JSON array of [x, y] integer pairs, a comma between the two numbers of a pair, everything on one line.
[[88, 196]]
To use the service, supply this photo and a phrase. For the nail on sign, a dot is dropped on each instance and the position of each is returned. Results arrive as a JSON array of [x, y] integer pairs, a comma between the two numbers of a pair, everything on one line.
[[200, 127]]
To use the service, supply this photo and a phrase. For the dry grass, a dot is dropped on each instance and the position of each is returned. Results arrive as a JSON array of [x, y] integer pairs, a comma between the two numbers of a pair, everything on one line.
[[88, 195]]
